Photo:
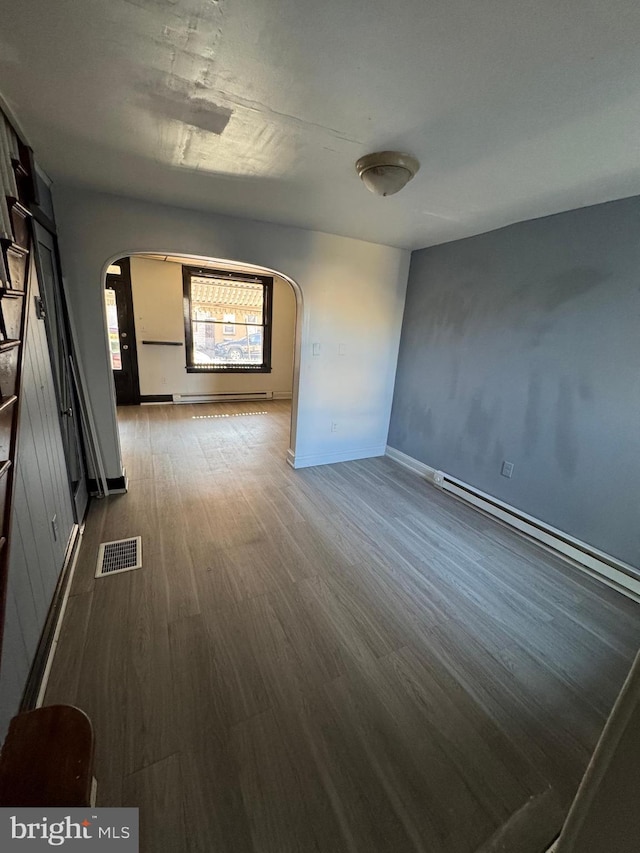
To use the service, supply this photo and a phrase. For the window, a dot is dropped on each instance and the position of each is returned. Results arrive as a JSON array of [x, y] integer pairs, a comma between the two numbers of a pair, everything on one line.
[[114, 330], [215, 302]]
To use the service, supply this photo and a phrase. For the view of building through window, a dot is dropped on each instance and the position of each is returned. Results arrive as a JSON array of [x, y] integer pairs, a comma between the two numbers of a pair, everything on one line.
[[227, 318]]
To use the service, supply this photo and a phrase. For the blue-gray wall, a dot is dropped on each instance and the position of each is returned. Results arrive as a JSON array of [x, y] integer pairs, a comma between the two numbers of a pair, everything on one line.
[[523, 344]]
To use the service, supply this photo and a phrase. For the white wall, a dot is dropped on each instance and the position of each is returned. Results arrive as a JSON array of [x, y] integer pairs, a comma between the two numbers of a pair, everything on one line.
[[352, 294], [158, 310]]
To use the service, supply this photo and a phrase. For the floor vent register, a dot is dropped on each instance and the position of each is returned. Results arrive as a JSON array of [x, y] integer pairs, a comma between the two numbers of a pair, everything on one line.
[[123, 555]]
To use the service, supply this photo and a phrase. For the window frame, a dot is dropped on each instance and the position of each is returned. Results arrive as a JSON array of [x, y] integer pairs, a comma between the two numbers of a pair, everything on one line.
[[188, 272]]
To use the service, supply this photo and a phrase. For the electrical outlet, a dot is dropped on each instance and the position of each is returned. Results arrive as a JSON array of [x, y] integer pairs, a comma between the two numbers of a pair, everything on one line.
[[438, 478], [507, 469], [334, 426]]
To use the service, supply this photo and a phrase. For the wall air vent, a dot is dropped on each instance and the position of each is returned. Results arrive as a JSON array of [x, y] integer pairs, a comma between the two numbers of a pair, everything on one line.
[[123, 555]]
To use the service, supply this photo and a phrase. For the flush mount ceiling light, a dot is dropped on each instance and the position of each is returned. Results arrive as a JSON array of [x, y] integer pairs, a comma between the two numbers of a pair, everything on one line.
[[386, 172]]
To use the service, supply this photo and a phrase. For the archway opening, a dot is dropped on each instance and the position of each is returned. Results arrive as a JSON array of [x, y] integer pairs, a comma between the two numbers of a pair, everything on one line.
[[220, 336]]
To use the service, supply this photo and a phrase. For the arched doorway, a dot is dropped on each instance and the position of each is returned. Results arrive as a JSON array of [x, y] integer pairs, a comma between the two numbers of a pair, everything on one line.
[[168, 338]]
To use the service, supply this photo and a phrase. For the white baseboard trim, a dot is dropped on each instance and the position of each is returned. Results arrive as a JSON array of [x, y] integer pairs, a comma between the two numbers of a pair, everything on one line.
[[604, 567], [308, 461], [409, 462], [56, 634], [231, 397]]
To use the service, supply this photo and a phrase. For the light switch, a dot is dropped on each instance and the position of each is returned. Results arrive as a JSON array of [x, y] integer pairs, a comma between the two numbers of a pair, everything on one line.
[[342, 349], [316, 349]]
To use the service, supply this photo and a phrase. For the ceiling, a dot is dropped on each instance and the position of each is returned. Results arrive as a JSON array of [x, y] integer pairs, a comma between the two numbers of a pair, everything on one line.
[[260, 109]]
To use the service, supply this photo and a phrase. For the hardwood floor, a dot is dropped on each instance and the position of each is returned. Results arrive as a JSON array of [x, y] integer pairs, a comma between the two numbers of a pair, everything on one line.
[[335, 659]]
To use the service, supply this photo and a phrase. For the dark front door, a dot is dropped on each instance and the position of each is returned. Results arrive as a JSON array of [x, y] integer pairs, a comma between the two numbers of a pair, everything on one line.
[[122, 333]]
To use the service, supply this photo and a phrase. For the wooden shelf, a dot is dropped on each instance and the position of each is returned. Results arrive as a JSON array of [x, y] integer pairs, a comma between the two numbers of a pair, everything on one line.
[[6, 404], [18, 168], [12, 246], [20, 217], [15, 261], [10, 343]]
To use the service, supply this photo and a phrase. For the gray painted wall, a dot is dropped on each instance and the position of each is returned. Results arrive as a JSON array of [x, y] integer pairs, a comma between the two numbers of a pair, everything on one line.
[[41, 491], [523, 344]]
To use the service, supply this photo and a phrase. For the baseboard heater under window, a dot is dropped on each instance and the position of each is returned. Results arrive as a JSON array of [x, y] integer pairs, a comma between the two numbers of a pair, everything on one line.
[[610, 570], [223, 398]]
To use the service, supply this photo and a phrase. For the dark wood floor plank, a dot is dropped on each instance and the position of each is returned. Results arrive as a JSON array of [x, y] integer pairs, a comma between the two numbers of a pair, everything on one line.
[[151, 719], [174, 557], [239, 687], [215, 813], [417, 776], [288, 808], [65, 672], [155, 791], [102, 692], [340, 658], [198, 707]]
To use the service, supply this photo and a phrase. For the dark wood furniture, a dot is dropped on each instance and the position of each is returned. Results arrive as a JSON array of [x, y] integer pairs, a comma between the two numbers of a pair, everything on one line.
[[47, 759]]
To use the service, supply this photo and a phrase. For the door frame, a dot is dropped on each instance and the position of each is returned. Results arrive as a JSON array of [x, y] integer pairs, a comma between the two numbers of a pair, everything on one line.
[[79, 498], [124, 279]]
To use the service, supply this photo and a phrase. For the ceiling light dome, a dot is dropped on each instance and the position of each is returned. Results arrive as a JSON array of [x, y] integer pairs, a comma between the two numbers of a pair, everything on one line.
[[386, 172]]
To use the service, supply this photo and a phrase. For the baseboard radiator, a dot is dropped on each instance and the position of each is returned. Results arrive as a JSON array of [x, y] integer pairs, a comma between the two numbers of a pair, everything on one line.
[[231, 397], [610, 570]]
